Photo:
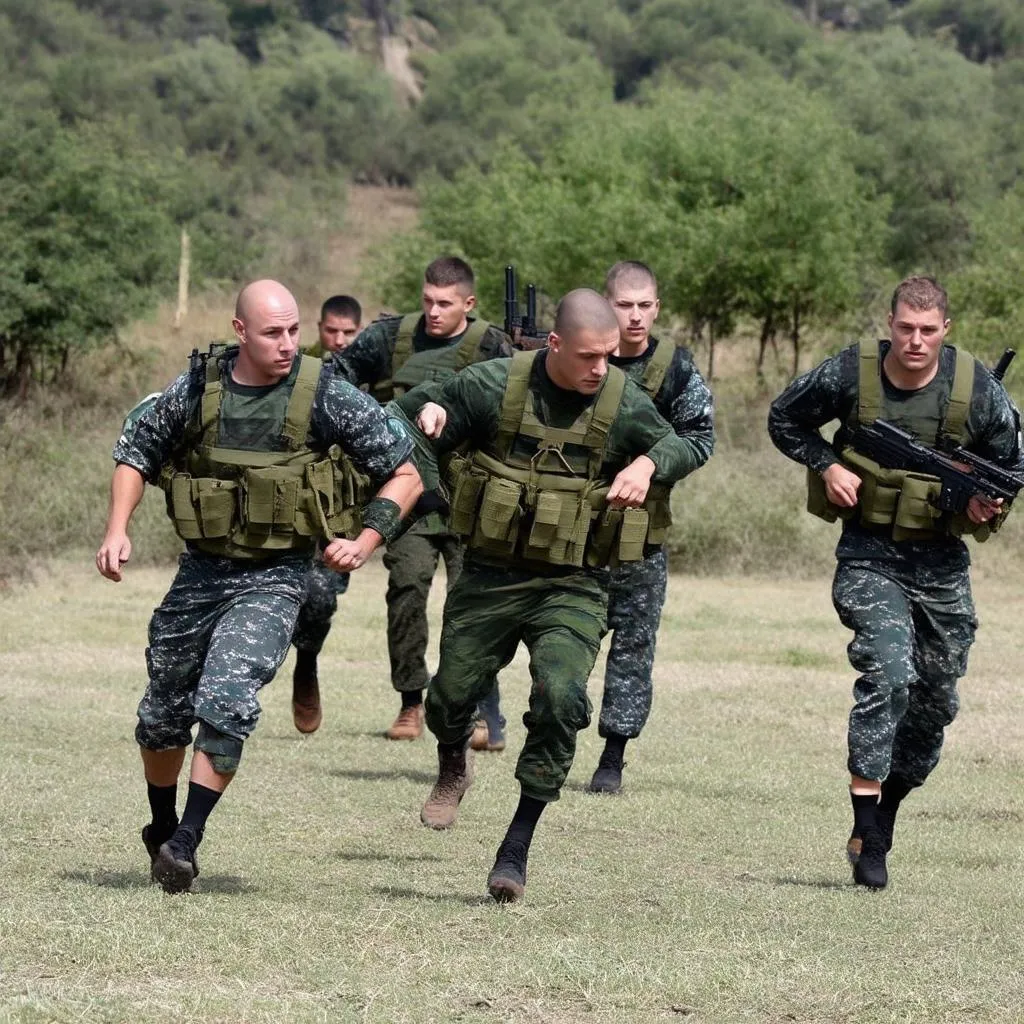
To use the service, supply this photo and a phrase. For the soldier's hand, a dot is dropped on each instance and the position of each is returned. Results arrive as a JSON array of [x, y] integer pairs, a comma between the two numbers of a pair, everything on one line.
[[115, 550], [981, 508], [431, 420], [343, 555], [630, 487], [841, 485]]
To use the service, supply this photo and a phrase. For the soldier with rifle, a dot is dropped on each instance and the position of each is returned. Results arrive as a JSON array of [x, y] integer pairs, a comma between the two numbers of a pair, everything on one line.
[[906, 499]]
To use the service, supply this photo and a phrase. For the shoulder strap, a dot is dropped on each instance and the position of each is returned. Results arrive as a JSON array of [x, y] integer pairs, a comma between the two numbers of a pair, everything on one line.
[[513, 403], [403, 343], [470, 345], [300, 403], [606, 408], [955, 419], [209, 410], [869, 384], [657, 367]]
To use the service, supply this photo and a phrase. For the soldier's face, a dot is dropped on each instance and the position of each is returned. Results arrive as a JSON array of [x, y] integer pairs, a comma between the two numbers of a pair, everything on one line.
[[579, 361], [636, 308], [337, 332], [916, 336], [445, 308], [269, 337]]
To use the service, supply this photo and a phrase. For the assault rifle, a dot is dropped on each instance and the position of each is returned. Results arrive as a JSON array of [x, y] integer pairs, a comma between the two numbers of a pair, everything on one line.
[[522, 329], [962, 473]]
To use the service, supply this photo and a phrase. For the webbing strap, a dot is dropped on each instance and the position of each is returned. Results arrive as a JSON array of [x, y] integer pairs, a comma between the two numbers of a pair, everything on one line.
[[869, 385], [513, 403], [403, 342], [209, 413], [300, 403], [469, 347], [657, 367], [955, 420]]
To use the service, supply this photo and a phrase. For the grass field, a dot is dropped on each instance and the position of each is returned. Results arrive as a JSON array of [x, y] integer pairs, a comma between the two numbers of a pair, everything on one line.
[[713, 889]]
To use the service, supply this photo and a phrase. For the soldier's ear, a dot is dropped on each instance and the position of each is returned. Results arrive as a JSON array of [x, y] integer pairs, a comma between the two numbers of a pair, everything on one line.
[[470, 303], [239, 328]]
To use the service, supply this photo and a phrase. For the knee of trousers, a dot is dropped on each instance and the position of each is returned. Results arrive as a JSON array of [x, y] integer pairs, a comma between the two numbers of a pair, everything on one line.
[[566, 705], [224, 752]]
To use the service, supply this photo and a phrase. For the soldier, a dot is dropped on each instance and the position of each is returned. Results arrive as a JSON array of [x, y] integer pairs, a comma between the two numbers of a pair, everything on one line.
[[339, 323], [546, 494], [902, 583], [240, 445], [637, 591], [391, 356]]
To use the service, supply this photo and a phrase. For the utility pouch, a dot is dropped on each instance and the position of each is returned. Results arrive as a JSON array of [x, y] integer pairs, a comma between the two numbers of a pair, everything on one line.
[[181, 509], [602, 537], [547, 514], [217, 506], [817, 500], [915, 510], [469, 485], [499, 510], [632, 535], [270, 500], [659, 509]]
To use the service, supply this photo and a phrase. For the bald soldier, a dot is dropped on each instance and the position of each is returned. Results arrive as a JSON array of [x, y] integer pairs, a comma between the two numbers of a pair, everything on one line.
[[242, 445], [557, 451]]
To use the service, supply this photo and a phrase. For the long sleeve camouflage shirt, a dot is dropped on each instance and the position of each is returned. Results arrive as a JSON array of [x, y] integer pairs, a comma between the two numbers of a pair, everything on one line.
[[829, 392]]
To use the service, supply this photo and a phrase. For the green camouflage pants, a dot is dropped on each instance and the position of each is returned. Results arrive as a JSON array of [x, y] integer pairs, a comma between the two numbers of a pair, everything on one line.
[[219, 635], [319, 603], [411, 562], [561, 619], [913, 626], [636, 595]]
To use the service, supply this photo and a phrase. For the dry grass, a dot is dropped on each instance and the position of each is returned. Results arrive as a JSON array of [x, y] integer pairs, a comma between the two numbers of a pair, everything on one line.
[[713, 889]]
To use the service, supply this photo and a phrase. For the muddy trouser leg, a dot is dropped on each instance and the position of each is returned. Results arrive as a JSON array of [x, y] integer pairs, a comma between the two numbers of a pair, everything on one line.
[[636, 596], [877, 609], [411, 562], [944, 624]]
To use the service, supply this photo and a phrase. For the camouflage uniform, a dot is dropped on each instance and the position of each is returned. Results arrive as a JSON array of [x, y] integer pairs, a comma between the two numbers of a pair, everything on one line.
[[223, 629], [558, 612], [412, 560], [637, 590], [319, 603], [907, 602]]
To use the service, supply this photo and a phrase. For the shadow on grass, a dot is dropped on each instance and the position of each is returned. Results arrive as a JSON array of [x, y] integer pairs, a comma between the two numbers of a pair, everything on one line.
[[373, 775], [358, 855], [813, 883], [401, 893], [224, 885]]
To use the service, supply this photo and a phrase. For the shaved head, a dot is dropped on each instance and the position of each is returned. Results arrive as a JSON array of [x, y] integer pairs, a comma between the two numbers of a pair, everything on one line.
[[583, 309], [258, 295]]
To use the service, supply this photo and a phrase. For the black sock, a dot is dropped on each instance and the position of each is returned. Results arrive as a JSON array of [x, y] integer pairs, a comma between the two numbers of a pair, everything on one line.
[[410, 698], [162, 805], [524, 821], [615, 745], [201, 801], [305, 663], [865, 811]]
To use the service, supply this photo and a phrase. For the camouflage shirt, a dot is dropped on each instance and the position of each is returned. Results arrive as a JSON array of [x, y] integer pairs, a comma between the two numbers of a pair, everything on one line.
[[829, 392], [683, 399], [368, 359], [341, 415], [473, 400]]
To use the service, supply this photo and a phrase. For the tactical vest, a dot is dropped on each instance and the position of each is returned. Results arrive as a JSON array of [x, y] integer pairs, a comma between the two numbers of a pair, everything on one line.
[[900, 499], [252, 504], [541, 498], [409, 368], [657, 366]]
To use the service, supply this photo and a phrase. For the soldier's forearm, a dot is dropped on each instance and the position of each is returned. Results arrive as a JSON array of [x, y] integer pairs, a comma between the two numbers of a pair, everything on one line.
[[403, 488], [126, 489]]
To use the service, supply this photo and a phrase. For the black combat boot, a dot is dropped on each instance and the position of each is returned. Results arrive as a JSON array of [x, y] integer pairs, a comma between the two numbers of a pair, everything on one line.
[[507, 881], [175, 866], [608, 777], [870, 869]]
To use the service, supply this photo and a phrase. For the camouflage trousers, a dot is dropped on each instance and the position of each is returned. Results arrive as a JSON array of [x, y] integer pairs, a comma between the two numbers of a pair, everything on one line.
[[319, 603], [411, 562], [636, 595], [561, 619], [913, 626], [219, 635]]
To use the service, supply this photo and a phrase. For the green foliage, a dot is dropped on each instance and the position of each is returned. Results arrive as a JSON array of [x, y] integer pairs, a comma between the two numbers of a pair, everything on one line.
[[983, 29]]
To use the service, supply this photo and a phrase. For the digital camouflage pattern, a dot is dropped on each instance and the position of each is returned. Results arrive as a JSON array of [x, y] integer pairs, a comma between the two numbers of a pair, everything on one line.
[[220, 634], [913, 627], [637, 590], [561, 620], [319, 603], [411, 562], [636, 596], [908, 602]]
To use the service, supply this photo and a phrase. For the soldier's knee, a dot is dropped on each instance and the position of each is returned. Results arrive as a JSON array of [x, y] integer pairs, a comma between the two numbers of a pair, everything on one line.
[[567, 705], [224, 752]]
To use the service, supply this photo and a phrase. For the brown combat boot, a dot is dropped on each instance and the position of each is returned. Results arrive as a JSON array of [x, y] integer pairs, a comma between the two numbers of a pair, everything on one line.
[[408, 725], [454, 777], [306, 711]]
